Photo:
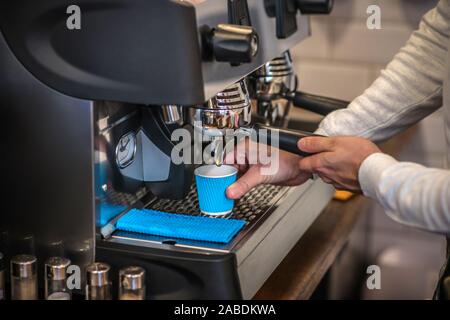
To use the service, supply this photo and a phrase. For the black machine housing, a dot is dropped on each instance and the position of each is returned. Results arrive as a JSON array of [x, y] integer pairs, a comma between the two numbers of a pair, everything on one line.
[[56, 85]]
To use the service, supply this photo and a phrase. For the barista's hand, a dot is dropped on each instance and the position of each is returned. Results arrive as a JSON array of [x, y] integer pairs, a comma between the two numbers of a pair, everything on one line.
[[287, 173], [338, 159]]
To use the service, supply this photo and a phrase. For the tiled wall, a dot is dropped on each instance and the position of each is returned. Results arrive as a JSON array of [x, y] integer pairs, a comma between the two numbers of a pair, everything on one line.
[[341, 59]]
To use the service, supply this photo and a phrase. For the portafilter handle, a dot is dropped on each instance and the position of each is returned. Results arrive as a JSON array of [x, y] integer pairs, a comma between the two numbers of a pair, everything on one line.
[[317, 104], [288, 139]]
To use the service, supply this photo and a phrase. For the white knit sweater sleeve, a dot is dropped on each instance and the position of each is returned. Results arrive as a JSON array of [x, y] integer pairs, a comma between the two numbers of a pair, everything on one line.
[[408, 90], [409, 193]]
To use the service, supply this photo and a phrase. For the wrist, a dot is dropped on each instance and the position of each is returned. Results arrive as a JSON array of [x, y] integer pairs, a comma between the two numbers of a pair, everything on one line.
[[371, 170]]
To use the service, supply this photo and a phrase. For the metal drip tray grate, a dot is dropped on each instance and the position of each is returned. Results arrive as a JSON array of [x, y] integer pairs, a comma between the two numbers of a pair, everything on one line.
[[254, 207], [253, 204], [121, 198]]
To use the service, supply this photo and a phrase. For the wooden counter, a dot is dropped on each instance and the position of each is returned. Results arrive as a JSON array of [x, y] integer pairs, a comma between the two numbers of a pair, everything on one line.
[[306, 264]]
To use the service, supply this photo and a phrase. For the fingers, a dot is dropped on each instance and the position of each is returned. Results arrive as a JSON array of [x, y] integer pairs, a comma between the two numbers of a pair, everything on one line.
[[249, 180], [316, 144], [299, 180], [326, 179], [312, 164]]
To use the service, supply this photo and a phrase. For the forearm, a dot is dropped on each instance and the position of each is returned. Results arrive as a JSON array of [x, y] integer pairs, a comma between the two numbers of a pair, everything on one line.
[[407, 91], [410, 193]]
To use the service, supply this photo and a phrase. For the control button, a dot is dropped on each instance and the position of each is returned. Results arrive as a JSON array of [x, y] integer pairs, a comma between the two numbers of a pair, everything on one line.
[[231, 43], [238, 13], [285, 12], [126, 150], [315, 6]]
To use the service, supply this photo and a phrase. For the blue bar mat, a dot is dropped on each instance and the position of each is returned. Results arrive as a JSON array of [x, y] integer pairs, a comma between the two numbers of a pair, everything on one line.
[[180, 226], [107, 212]]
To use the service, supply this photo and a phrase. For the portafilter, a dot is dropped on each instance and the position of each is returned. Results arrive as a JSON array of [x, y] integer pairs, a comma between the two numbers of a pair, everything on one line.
[[276, 80], [229, 109]]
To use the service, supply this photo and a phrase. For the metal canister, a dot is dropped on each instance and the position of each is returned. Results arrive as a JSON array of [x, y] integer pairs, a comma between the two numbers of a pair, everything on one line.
[[56, 279], [24, 277], [81, 254], [2, 277], [98, 285], [132, 283]]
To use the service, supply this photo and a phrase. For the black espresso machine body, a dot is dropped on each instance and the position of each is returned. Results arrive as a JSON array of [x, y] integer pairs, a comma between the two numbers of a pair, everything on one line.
[[85, 122]]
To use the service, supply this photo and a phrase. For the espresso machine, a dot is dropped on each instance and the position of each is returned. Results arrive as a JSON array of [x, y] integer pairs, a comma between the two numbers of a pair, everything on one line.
[[87, 120]]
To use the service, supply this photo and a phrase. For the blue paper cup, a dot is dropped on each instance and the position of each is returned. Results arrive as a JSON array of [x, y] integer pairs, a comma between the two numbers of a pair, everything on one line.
[[212, 182]]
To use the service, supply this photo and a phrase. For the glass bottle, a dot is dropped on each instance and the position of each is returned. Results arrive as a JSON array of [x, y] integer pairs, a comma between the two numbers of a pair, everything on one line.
[[132, 283], [24, 277], [98, 285], [56, 279]]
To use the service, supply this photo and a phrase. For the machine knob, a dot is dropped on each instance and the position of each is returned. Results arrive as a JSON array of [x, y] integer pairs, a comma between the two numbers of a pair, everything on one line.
[[285, 12], [233, 43], [315, 6]]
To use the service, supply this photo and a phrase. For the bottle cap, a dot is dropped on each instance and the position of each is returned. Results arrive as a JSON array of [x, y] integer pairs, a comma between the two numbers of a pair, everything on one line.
[[97, 274], [132, 278], [56, 268], [23, 266]]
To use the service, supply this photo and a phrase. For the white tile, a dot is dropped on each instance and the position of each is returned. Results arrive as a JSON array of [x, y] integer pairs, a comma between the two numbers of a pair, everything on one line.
[[375, 72], [429, 145], [405, 11], [339, 80], [408, 11], [317, 45], [344, 34], [351, 9], [354, 42], [432, 134]]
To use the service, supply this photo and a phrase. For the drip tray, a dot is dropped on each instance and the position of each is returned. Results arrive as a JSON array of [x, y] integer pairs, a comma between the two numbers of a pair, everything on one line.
[[277, 218], [249, 208], [254, 207]]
